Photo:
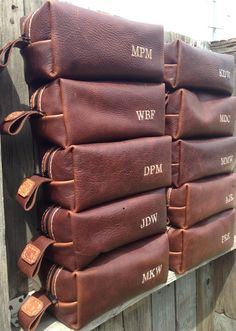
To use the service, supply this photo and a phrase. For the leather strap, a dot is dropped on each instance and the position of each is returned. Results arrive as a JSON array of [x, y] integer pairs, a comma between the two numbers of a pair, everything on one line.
[[6, 51], [31, 257], [32, 310], [27, 192], [15, 121]]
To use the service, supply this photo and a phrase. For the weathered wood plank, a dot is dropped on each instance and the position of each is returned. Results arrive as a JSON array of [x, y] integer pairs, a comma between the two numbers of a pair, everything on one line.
[[205, 298], [223, 323], [114, 324], [163, 309], [138, 317], [185, 297]]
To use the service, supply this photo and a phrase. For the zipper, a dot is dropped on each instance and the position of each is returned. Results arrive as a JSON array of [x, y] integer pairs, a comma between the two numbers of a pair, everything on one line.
[[46, 161], [50, 283], [46, 221]]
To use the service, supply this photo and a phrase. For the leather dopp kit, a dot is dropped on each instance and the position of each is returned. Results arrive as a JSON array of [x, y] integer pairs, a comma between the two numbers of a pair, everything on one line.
[[136, 157]]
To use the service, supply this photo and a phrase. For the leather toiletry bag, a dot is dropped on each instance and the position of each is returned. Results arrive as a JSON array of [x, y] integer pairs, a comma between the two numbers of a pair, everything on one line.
[[63, 40], [198, 115], [194, 68], [109, 281], [73, 240], [195, 201], [84, 176], [67, 112], [191, 247], [196, 159]]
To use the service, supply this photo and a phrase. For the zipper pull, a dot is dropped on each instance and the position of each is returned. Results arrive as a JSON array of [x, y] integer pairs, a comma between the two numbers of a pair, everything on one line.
[[14, 122], [5, 52], [52, 298]]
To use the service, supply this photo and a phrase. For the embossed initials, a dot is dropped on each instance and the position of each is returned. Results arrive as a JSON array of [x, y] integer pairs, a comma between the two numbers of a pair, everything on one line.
[[142, 52], [224, 73], [153, 169], [152, 273], [225, 118], [152, 219], [229, 198], [225, 237], [227, 160], [145, 114]]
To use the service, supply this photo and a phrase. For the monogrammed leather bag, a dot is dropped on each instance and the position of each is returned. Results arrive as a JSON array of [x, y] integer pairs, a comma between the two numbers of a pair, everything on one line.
[[79, 297], [196, 159], [67, 112], [195, 68], [73, 240], [199, 115], [195, 201], [63, 40], [190, 247], [83, 176]]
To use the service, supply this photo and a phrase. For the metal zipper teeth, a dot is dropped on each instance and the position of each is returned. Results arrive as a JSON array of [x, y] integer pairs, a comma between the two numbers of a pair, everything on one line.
[[26, 33], [46, 161], [45, 221], [34, 100], [50, 282]]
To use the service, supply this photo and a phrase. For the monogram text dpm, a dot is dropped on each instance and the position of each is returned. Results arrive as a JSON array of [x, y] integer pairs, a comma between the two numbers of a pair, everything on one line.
[[225, 118], [226, 160], [141, 52], [145, 114], [153, 169], [152, 274], [229, 198], [152, 219], [224, 73], [225, 237]]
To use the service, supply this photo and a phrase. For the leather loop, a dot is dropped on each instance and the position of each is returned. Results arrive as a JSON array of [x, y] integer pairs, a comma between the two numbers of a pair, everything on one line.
[[6, 51], [15, 121], [27, 192], [31, 257], [32, 310]]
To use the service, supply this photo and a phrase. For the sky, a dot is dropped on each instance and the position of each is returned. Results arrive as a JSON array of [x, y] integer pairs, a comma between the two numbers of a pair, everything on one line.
[[194, 18]]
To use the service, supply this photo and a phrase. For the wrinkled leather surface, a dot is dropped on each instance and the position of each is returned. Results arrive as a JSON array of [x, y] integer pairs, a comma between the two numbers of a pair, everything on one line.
[[81, 237], [194, 68], [86, 112], [199, 115], [107, 171], [192, 246], [110, 280], [196, 159], [193, 202], [72, 42]]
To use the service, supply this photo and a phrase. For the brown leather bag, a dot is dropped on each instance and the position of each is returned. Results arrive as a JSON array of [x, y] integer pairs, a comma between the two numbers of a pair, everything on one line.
[[193, 202], [196, 159], [190, 247], [67, 112], [84, 176], [194, 68], [73, 240], [109, 281], [199, 115], [62, 40]]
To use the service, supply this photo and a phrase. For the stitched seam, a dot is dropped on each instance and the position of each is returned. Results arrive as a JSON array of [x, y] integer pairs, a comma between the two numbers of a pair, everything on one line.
[[50, 161], [52, 219], [49, 274], [40, 98], [30, 22], [43, 219], [54, 287], [168, 196], [63, 109]]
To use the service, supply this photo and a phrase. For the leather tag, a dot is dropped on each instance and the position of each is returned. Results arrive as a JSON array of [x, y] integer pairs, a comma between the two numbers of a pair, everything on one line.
[[32, 307], [13, 116], [30, 254], [26, 187]]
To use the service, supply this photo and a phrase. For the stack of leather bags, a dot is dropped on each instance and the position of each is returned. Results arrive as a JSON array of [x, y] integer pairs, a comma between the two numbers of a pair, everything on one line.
[[200, 116], [98, 113]]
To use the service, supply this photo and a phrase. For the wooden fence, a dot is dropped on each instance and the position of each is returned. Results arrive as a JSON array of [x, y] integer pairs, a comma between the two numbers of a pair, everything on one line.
[[203, 300]]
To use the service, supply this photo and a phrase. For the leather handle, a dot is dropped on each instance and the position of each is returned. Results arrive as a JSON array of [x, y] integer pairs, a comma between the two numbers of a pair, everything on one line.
[[31, 257], [14, 122], [6, 51], [32, 310], [27, 192]]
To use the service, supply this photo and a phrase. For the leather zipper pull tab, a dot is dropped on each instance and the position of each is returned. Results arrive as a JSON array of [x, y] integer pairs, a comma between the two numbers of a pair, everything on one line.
[[14, 122], [32, 255], [27, 192], [6, 51], [33, 309]]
